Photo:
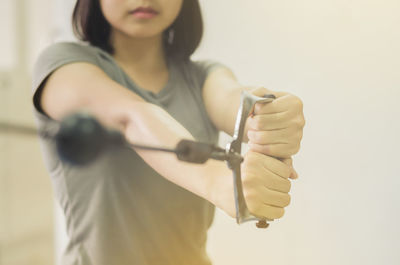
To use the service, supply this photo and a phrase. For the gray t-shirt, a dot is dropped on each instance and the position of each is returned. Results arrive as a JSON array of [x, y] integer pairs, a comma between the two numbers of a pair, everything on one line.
[[118, 209]]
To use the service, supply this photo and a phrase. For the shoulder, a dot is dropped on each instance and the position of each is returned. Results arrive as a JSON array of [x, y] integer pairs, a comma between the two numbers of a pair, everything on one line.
[[200, 70], [205, 66], [63, 53], [69, 46]]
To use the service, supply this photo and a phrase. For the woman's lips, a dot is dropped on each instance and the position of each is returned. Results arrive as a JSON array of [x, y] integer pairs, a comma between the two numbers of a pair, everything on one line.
[[144, 13]]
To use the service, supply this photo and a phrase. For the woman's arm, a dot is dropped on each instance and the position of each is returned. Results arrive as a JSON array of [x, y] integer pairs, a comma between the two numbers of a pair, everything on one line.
[[82, 86], [221, 94]]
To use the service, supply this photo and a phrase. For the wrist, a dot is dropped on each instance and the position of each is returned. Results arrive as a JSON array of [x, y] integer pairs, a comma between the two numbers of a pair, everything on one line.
[[220, 187]]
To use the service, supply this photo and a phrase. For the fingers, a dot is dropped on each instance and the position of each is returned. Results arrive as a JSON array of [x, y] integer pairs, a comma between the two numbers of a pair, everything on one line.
[[270, 205], [284, 136], [277, 184], [282, 143], [276, 121], [272, 121], [281, 104], [266, 211], [255, 178], [266, 185], [277, 130], [272, 212], [261, 91], [253, 161], [269, 197], [276, 150]]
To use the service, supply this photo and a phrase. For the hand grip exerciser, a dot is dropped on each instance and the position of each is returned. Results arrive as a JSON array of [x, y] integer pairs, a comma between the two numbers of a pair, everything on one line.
[[247, 104]]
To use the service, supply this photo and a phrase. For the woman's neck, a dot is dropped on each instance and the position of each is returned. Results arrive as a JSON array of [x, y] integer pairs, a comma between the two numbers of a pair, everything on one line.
[[140, 54]]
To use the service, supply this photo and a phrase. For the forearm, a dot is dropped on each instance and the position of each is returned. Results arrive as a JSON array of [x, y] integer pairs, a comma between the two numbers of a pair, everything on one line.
[[221, 94], [230, 111], [148, 124]]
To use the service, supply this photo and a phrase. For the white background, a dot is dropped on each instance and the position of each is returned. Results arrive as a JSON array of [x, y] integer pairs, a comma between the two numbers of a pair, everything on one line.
[[342, 58]]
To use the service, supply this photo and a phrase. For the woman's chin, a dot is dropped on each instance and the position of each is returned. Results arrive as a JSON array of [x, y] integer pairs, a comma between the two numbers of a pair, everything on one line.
[[143, 34]]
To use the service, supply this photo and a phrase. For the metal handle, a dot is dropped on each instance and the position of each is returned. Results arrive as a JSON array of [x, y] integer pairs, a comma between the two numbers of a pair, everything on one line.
[[247, 104]]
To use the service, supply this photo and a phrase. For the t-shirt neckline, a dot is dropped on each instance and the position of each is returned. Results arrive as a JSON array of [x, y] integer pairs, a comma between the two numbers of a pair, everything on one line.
[[164, 90]]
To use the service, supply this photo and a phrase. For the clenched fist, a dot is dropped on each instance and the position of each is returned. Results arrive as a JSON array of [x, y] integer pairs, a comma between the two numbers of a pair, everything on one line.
[[265, 185], [276, 128]]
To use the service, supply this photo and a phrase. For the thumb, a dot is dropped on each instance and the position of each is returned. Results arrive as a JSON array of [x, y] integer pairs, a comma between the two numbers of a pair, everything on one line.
[[260, 91], [289, 162]]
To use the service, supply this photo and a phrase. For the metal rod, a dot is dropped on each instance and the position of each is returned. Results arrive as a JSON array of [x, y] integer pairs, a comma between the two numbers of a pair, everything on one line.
[[144, 147]]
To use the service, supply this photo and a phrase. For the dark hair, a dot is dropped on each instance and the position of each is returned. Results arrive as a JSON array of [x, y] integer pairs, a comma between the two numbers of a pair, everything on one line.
[[90, 25]]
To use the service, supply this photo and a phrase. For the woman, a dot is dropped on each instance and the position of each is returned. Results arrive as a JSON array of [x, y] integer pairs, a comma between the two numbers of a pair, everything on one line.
[[134, 74]]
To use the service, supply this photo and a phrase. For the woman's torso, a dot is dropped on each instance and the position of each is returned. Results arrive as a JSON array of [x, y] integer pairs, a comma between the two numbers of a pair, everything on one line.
[[118, 209]]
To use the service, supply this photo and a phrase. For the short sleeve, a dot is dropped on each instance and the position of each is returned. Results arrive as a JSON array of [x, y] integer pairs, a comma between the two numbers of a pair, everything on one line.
[[55, 56], [201, 69]]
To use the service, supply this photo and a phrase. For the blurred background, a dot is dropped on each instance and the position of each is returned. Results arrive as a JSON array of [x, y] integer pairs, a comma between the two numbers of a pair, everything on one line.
[[341, 57]]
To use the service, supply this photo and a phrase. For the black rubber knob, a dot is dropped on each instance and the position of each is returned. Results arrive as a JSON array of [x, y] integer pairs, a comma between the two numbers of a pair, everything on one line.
[[80, 139], [193, 152]]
